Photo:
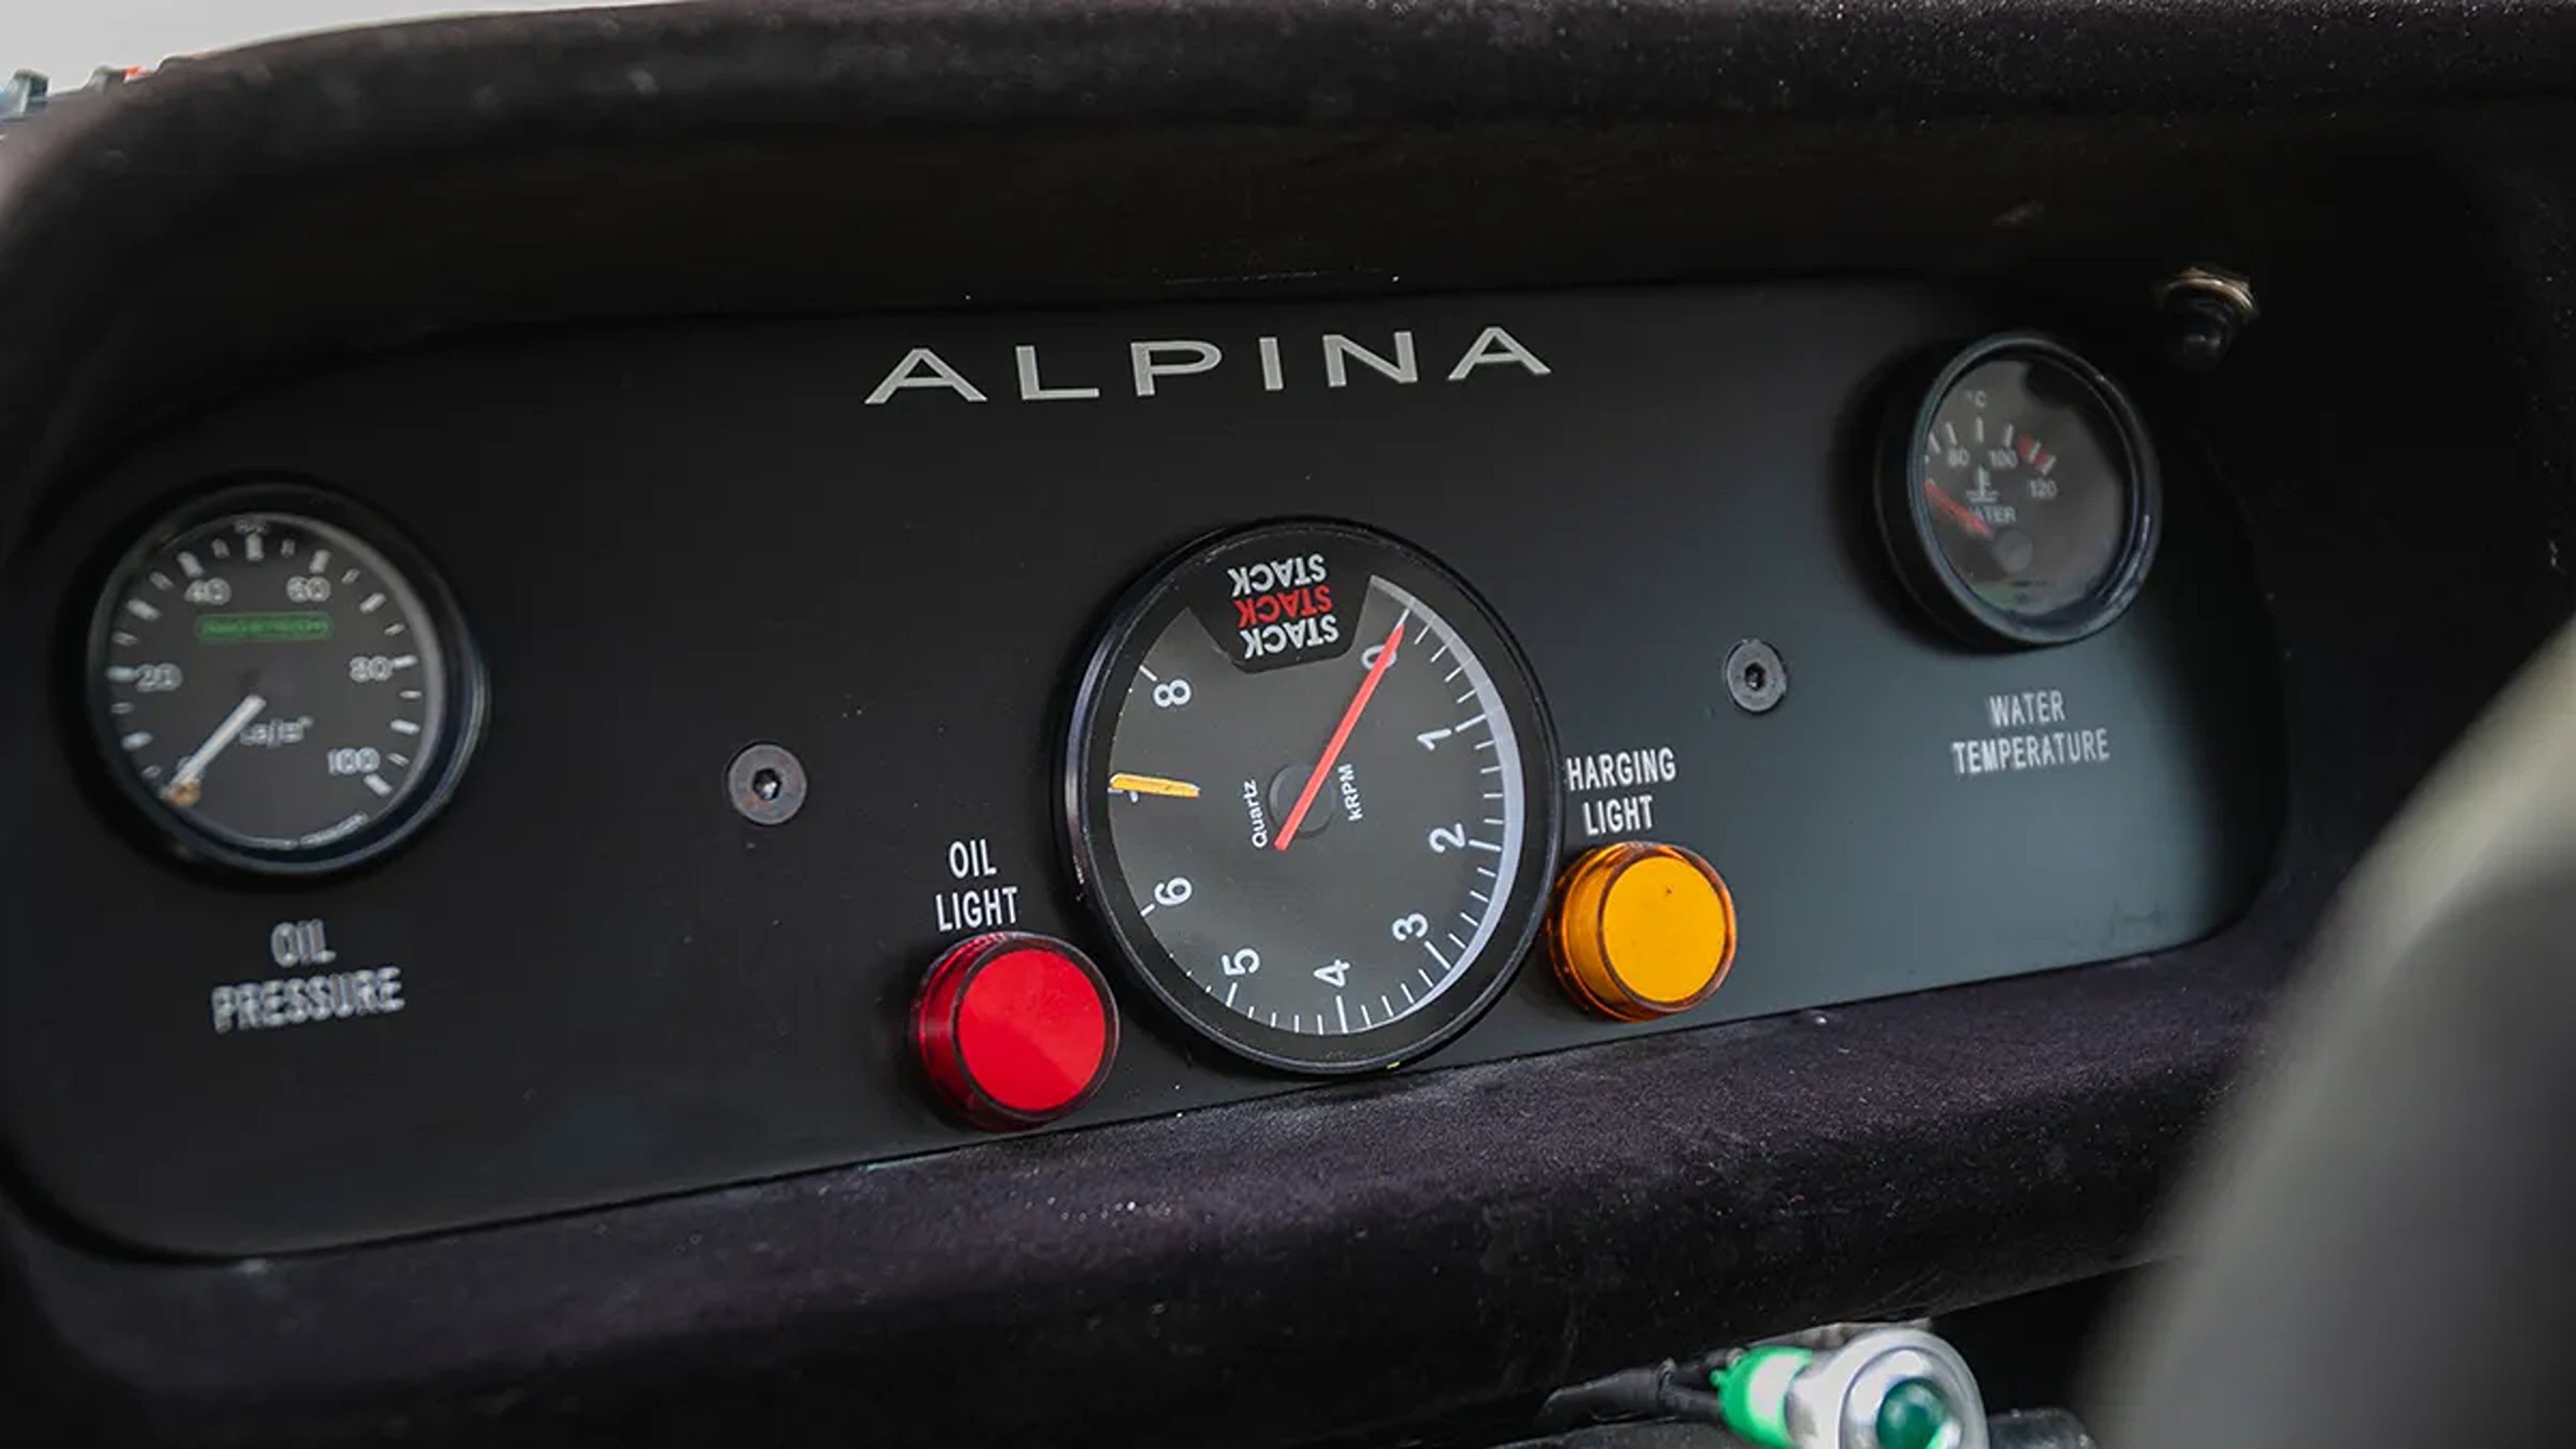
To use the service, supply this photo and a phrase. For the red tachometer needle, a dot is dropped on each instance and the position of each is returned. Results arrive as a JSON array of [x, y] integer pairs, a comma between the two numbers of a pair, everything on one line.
[[1341, 737], [1958, 511]]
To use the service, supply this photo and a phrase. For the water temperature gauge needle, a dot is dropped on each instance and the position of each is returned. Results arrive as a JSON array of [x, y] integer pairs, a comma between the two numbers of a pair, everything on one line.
[[1959, 512]]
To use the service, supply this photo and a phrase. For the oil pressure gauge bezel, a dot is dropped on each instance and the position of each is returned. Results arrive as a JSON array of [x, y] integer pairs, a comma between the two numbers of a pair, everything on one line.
[[278, 682]]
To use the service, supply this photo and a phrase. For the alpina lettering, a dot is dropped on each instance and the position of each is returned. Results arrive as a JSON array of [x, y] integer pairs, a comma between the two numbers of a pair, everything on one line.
[[1159, 367]]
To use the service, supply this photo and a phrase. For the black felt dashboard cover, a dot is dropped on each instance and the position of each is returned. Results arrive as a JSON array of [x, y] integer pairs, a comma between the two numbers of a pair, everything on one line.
[[1348, 1261]]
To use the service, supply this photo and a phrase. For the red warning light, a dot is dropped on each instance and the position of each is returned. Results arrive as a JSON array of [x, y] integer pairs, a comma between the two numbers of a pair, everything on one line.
[[1015, 1029]]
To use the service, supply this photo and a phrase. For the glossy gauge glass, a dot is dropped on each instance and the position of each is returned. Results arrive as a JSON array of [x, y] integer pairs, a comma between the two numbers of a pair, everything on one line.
[[279, 682], [2020, 497], [1310, 796]]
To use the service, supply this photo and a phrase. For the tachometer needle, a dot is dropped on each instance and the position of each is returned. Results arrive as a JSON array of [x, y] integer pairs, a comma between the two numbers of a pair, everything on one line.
[[1959, 512], [1123, 783], [1341, 734], [182, 789]]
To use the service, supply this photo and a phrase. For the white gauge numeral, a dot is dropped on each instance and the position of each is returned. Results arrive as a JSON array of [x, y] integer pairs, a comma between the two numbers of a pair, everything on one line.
[[306, 589], [1336, 975], [1430, 739], [361, 761], [1172, 892], [1172, 694], [213, 593], [1410, 928], [2042, 489], [371, 668], [1447, 838], [157, 678], [1369, 656], [1241, 963]]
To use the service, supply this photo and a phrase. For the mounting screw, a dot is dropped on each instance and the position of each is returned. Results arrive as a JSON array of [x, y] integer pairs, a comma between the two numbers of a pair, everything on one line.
[[2205, 311], [1755, 676], [766, 784]]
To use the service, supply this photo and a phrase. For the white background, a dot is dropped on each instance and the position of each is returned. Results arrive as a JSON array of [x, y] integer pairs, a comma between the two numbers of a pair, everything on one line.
[[67, 39]]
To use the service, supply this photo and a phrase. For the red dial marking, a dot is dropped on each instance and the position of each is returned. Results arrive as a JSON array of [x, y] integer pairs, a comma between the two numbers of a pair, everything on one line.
[[1341, 737]]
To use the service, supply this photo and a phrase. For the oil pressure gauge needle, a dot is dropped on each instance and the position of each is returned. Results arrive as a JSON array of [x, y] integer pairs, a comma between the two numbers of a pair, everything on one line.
[[1342, 734], [182, 789]]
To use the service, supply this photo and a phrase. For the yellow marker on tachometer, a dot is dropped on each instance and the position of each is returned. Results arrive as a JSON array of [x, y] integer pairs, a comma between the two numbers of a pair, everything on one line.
[[1123, 783]]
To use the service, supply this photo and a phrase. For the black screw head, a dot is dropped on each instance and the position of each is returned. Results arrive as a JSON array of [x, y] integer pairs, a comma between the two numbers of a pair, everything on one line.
[[766, 784], [1756, 679]]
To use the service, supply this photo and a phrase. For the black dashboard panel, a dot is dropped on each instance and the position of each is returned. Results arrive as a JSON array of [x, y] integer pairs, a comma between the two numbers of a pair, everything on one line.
[[674, 541], [1408, 1258]]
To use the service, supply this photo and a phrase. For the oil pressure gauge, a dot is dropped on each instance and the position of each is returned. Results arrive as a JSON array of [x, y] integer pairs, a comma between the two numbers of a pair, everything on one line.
[[279, 682], [2019, 496], [1310, 796]]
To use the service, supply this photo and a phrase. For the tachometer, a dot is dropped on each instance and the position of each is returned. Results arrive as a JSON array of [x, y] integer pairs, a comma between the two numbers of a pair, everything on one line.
[[1311, 798], [279, 682]]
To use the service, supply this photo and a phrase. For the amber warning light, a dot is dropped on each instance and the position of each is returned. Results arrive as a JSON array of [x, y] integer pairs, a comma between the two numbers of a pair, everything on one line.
[[1641, 931]]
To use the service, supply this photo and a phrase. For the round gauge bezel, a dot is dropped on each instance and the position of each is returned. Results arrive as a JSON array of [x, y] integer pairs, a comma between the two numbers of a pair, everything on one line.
[[1909, 531], [1136, 624], [467, 690]]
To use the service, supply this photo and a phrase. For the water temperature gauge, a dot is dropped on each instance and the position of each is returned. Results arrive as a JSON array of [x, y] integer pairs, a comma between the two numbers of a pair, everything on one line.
[[2020, 496]]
